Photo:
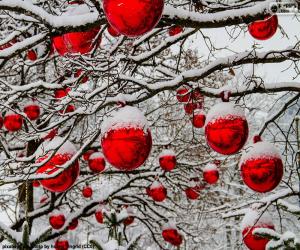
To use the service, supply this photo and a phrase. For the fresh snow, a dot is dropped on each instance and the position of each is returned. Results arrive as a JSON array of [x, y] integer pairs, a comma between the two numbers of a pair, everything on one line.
[[254, 218], [167, 152]]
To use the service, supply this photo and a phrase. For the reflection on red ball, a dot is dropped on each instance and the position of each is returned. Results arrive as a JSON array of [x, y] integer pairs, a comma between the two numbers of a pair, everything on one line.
[[175, 30], [133, 17], [73, 225], [32, 111], [264, 29], [172, 236], [99, 216], [61, 245], [96, 162], [57, 221], [157, 192], [254, 242], [167, 161], [87, 192], [13, 122]]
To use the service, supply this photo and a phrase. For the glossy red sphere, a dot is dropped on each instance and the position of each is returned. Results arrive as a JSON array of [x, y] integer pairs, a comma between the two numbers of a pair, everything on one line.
[[175, 30], [87, 154], [227, 135], [192, 193], [183, 94], [87, 192], [31, 55], [65, 179], [133, 17], [211, 176], [60, 93], [61, 245], [262, 174], [96, 163], [127, 148], [13, 122], [158, 194], [198, 120], [167, 162], [99, 216], [57, 221], [264, 29], [128, 221], [112, 31], [254, 242], [172, 236], [32, 111], [73, 225]]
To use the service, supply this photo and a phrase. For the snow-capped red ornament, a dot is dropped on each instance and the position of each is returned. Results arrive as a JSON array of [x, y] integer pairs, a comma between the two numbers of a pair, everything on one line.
[[77, 42], [157, 191], [211, 173], [175, 30], [57, 220], [198, 118], [226, 128], [133, 18], [96, 162], [73, 225], [99, 216], [67, 177], [87, 192], [32, 111], [12, 121], [167, 160], [61, 244], [112, 31], [261, 167], [78, 74], [88, 153], [126, 139], [252, 221], [171, 235], [183, 94], [264, 29], [130, 219], [31, 55]]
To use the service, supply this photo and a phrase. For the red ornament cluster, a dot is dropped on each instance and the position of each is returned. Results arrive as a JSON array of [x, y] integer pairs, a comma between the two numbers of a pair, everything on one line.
[[264, 29]]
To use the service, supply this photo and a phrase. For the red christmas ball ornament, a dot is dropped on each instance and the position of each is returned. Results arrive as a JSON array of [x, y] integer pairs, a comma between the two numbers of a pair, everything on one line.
[[87, 192], [126, 139], [78, 73], [261, 167], [112, 31], [171, 235], [96, 162], [57, 220], [211, 173], [264, 29], [133, 18], [32, 111], [67, 177], [192, 193], [252, 221], [73, 225], [167, 160], [12, 121], [60, 93], [198, 118], [88, 153], [183, 94], [175, 30], [157, 191], [61, 245], [99, 216], [31, 55], [226, 128], [35, 184]]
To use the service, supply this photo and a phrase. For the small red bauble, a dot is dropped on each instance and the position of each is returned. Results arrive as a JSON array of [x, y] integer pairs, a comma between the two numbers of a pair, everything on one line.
[[57, 221], [87, 192], [211, 173], [73, 225], [264, 29], [171, 235], [198, 118], [67, 177], [87, 154], [157, 191], [61, 245], [126, 139], [167, 160], [133, 18], [252, 221], [60, 93], [262, 167], [226, 128], [128, 221], [113, 32], [192, 193], [78, 73], [32, 111], [183, 94], [175, 30], [99, 216], [12, 121], [31, 55], [96, 162]]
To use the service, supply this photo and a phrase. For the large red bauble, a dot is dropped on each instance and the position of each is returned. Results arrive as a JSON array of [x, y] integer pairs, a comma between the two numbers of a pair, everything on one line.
[[73, 225], [171, 235], [175, 30], [262, 167], [252, 221], [13, 122], [113, 32], [167, 160], [61, 245], [264, 29], [157, 191], [32, 111], [211, 173], [198, 119], [133, 18], [183, 94], [126, 140], [57, 221], [96, 162], [99, 216], [87, 192], [226, 128], [66, 178]]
